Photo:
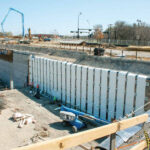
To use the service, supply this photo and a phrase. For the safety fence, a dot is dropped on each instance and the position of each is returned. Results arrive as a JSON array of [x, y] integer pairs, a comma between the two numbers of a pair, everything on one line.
[[104, 93]]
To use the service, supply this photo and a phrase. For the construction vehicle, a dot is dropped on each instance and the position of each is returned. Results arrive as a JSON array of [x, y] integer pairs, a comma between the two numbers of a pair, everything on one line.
[[22, 15], [99, 51], [29, 34], [77, 119]]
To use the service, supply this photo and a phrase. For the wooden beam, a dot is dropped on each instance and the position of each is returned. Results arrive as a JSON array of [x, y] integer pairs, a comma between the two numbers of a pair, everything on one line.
[[140, 146], [86, 136], [124, 124]]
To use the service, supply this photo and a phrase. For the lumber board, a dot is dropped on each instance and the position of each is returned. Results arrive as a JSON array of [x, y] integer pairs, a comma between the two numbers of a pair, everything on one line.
[[140, 146], [86, 136]]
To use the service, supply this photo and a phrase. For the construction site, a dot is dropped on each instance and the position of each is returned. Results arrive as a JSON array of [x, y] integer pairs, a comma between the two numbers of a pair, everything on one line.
[[73, 92]]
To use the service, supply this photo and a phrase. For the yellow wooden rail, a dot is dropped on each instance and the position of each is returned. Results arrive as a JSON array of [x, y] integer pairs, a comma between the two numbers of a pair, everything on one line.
[[86, 136], [140, 146]]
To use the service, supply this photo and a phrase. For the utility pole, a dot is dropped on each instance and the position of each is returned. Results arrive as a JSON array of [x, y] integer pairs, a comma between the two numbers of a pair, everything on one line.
[[89, 28], [78, 28], [138, 32], [109, 32]]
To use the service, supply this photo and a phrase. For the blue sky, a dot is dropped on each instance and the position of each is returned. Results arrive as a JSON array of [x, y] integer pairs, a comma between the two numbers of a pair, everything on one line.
[[49, 16]]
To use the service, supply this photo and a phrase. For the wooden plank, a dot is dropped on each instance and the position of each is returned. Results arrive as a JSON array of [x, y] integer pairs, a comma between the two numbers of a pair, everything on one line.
[[113, 141], [90, 91], [68, 84], [87, 136], [130, 93], [97, 92], [84, 88], [78, 87], [140, 93], [141, 146], [120, 94], [112, 95], [73, 85], [64, 82], [59, 80], [104, 82]]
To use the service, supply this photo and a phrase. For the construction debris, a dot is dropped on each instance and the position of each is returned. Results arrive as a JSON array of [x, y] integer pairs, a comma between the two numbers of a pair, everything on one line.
[[23, 119]]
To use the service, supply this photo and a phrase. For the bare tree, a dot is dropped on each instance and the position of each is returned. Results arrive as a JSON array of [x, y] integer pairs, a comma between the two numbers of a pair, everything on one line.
[[98, 34], [136, 31]]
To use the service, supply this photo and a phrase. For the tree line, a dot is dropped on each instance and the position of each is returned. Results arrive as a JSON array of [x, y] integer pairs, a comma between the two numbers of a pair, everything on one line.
[[124, 31]]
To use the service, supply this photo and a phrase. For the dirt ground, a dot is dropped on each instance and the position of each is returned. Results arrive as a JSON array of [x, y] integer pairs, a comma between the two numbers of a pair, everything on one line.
[[48, 124]]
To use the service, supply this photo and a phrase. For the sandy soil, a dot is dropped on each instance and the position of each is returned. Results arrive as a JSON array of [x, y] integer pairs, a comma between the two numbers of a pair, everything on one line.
[[44, 113]]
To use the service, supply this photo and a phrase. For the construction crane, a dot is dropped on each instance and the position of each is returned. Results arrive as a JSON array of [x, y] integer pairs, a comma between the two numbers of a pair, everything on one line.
[[22, 15]]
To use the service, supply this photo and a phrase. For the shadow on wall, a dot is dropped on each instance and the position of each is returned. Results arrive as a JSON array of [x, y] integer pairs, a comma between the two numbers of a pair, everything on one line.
[[14, 66]]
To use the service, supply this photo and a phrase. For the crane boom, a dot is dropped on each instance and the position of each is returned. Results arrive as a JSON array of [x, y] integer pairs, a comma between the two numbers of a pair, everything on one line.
[[15, 10]]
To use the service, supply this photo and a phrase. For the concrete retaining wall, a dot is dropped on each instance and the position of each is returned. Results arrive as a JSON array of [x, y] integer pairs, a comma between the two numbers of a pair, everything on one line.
[[104, 93], [20, 69], [5, 71], [16, 70]]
